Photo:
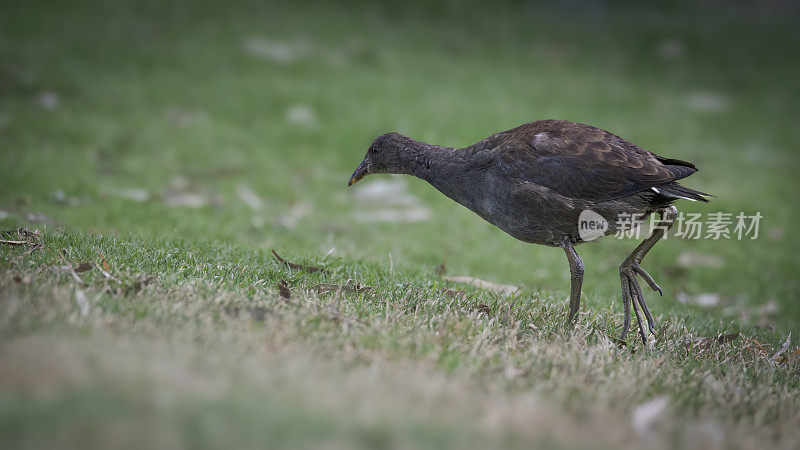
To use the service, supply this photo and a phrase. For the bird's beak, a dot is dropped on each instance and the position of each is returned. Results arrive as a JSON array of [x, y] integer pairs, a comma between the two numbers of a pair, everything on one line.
[[361, 172]]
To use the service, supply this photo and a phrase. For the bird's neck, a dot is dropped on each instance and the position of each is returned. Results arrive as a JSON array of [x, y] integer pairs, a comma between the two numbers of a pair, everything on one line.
[[427, 160], [442, 167]]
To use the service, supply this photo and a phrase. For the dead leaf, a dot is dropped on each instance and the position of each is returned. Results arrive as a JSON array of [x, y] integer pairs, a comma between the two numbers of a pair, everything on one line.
[[103, 262], [292, 265], [83, 267], [139, 283], [484, 309], [705, 343], [774, 358], [283, 290], [23, 280], [504, 289]]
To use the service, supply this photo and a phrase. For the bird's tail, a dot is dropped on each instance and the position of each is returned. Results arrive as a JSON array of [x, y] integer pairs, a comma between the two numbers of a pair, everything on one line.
[[675, 190]]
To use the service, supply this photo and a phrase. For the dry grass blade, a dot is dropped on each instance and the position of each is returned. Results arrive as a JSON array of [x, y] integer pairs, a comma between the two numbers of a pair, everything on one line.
[[292, 265], [504, 289], [6, 242], [105, 273], [452, 293], [705, 343], [785, 346], [67, 268], [34, 248], [21, 236], [324, 288]]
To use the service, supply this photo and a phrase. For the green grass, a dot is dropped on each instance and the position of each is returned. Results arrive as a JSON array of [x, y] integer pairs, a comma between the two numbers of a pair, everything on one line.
[[180, 100]]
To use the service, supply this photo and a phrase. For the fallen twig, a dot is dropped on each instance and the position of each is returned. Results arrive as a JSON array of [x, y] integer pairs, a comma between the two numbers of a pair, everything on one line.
[[3, 241], [106, 274], [292, 265]]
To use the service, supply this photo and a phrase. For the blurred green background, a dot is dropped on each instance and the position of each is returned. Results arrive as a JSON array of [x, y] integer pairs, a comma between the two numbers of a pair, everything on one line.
[[240, 122]]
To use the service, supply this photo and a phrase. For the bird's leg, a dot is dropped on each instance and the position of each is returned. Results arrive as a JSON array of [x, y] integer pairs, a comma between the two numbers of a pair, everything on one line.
[[576, 279], [630, 268]]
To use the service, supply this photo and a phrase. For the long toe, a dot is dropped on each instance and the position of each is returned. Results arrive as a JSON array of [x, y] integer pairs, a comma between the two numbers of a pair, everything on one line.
[[632, 294], [626, 301], [650, 281]]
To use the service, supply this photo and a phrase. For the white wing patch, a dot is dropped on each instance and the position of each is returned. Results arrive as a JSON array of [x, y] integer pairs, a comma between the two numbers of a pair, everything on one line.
[[658, 191]]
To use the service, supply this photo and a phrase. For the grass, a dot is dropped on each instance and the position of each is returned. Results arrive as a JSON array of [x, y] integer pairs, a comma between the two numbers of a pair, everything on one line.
[[190, 343]]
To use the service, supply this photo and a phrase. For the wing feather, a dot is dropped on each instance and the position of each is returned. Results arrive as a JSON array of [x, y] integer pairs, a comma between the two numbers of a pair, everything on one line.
[[580, 161]]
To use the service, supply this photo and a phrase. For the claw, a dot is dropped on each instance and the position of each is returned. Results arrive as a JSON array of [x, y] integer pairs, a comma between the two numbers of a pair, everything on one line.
[[653, 285], [632, 295], [631, 291]]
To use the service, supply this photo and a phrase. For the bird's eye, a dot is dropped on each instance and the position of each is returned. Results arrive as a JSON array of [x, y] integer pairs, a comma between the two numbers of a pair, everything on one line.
[[373, 149]]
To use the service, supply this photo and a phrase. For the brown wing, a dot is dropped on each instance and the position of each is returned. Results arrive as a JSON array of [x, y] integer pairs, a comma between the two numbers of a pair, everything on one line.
[[582, 161]]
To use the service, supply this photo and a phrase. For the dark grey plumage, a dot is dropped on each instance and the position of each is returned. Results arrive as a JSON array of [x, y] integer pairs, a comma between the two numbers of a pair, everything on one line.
[[534, 181]]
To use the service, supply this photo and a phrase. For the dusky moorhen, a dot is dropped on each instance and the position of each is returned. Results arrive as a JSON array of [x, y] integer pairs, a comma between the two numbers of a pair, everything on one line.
[[535, 180]]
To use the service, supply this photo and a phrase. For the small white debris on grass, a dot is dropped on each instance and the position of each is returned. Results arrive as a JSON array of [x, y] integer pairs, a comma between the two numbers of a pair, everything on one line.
[[297, 212], [671, 49], [134, 194], [186, 199], [281, 52], [388, 200], [505, 289], [385, 192], [708, 102], [690, 259], [300, 115], [82, 302], [48, 100], [393, 215], [249, 197], [706, 300], [645, 415]]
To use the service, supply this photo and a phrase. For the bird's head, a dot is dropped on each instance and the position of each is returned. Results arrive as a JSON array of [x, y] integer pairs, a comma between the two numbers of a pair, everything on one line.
[[389, 153]]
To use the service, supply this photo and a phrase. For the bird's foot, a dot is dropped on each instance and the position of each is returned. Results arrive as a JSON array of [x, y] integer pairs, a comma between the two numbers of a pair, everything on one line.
[[632, 295]]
